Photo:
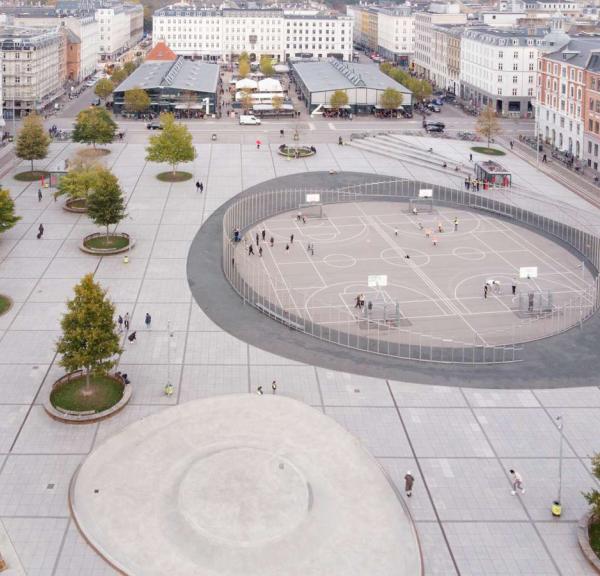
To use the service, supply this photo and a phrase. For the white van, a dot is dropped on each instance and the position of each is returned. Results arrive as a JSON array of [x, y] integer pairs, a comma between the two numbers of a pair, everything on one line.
[[249, 119]]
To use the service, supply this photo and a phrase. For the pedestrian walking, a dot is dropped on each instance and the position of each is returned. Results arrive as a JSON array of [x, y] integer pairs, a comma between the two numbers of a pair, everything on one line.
[[120, 323], [470, 157], [287, 247], [250, 250], [260, 252], [263, 234], [514, 286], [272, 241], [257, 239], [258, 143], [148, 320], [456, 224], [259, 391], [478, 184], [292, 239], [281, 133], [409, 481], [201, 187], [517, 482], [485, 290], [274, 386], [126, 321], [434, 241], [511, 144], [466, 183], [132, 337], [544, 159], [40, 231], [197, 186], [395, 231], [168, 389], [39, 194]]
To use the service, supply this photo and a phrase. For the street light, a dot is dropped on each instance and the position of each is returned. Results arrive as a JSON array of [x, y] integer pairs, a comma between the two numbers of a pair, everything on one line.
[[556, 505]]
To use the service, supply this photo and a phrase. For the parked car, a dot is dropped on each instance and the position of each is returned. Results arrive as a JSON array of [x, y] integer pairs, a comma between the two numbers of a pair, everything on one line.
[[154, 126], [437, 124], [433, 128], [434, 108]]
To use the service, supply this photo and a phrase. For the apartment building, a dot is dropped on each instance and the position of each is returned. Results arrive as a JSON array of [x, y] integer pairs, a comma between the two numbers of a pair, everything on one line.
[[114, 28], [424, 35], [445, 56], [135, 12], [31, 58], [80, 28], [224, 34], [564, 106], [396, 34], [499, 67], [591, 122]]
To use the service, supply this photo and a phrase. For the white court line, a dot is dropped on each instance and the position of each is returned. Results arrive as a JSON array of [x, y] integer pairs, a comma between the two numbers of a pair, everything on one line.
[[419, 272], [558, 264]]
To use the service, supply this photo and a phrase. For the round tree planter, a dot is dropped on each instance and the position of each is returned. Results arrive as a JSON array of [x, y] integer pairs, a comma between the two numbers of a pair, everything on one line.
[[93, 152], [92, 243], [31, 175], [488, 151], [5, 304], [85, 416], [75, 205], [583, 536], [178, 176], [296, 151]]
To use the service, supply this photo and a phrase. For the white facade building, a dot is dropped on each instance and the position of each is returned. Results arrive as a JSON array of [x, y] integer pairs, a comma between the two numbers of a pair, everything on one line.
[[224, 34], [498, 67], [396, 34], [114, 30], [424, 21], [31, 64]]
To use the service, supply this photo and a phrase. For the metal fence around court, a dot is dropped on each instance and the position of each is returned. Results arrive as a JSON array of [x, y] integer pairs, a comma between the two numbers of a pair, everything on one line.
[[250, 208]]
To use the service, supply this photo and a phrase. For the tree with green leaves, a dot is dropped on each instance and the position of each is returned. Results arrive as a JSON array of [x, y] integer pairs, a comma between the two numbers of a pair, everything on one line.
[[104, 88], [94, 126], [244, 68], [129, 67], [8, 218], [89, 340], [339, 99], [173, 145], [247, 100], [487, 124], [277, 102], [593, 496], [421, 89], [79, 180], [266, 65], [118, 75], [391, 99], [137, 100], [105, 202], [32, 141]]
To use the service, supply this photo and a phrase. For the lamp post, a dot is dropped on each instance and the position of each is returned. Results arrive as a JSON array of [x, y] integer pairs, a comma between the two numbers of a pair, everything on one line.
[[557, 505]]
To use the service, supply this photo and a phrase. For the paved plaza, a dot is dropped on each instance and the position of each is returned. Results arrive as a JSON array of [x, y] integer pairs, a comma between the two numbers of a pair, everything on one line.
[[459, 442]]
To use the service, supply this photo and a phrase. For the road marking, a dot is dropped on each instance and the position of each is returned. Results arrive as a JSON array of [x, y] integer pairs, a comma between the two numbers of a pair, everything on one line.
[[331, 126], [311, 126]]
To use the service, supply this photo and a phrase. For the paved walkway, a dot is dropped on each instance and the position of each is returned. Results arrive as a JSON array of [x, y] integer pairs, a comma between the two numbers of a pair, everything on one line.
[[459, 442]]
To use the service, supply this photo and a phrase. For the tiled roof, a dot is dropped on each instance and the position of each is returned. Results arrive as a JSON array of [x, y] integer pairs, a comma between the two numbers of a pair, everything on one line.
[[161, 52]]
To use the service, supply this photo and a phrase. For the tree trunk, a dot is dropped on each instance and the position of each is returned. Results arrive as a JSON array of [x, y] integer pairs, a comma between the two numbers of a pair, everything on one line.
[[107, 235], [32, 164], [87, 379], [174, 166]]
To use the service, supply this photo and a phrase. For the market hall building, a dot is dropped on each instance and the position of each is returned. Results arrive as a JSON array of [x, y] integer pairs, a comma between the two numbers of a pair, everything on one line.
[[173, 85], [364, 84]]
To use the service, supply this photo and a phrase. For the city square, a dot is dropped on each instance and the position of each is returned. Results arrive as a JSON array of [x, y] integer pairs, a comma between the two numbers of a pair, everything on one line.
[[459, 441]]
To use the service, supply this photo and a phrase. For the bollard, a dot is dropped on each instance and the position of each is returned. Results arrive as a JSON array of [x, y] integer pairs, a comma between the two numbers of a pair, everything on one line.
[[556, 508]]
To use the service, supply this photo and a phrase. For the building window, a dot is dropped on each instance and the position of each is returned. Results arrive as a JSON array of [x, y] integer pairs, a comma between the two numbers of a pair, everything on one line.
[[515, 79], [515, 54], [514, 91], [499, 91], [499, 65]]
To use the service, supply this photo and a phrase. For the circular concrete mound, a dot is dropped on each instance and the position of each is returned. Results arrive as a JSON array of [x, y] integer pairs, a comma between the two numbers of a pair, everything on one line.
[[242, 485]]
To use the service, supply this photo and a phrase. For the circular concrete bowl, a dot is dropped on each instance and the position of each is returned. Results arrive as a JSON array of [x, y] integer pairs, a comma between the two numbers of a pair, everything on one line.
[[106, 251], [290, 151], [71, 206]]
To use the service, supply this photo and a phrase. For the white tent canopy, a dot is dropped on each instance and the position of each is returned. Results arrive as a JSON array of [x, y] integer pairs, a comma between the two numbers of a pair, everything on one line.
[[246, 84], [281, 68], [269, 85]]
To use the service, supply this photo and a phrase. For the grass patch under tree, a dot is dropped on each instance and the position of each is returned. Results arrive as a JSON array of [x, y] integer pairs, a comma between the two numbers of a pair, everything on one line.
[[488, 151], [76, 395], [178, 176], [103, 242], [31, 175], [594, 534], [91, 153]]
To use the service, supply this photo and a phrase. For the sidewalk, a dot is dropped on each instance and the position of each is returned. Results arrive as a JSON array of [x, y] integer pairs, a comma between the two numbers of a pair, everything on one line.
[[580, 185]]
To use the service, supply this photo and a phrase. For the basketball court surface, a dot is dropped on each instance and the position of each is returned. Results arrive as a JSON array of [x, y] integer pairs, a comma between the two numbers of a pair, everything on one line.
[[421, 276]]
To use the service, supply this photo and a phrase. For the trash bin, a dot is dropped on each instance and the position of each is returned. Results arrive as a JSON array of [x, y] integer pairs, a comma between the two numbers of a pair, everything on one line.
[[556, 508]]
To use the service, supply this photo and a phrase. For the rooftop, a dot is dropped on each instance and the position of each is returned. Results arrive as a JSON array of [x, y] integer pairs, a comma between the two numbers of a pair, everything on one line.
[[322, 75], [180, 74], [506, 36], [577, 52], [161, 52]]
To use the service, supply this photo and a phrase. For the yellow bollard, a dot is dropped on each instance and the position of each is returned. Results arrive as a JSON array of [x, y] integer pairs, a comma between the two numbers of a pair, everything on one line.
[[556, 508]]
